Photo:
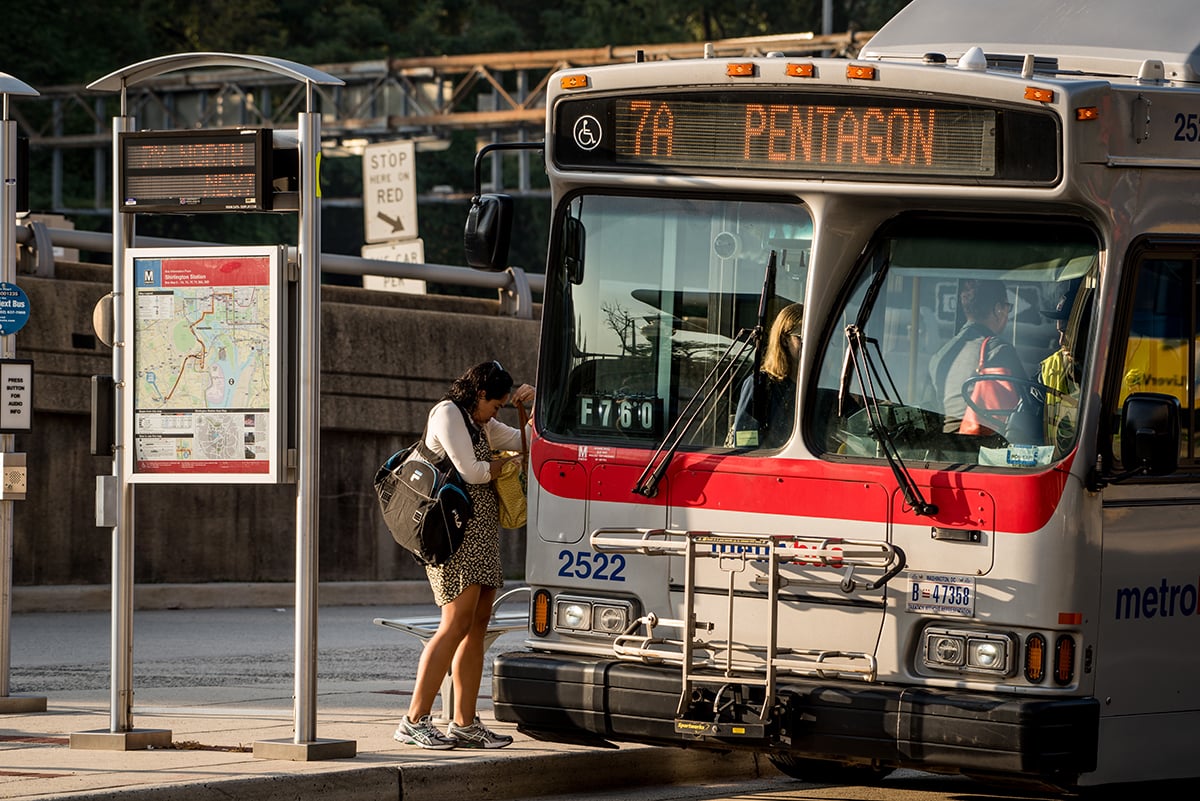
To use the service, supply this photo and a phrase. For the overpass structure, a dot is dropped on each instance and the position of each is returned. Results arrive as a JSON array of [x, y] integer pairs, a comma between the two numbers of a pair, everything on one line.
[[500, 95]]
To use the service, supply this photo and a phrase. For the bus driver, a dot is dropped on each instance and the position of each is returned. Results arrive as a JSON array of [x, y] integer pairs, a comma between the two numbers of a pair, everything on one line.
[[977, 345]]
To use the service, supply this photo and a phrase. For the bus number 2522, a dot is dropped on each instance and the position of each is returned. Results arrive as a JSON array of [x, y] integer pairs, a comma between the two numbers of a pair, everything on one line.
[[597, 566]]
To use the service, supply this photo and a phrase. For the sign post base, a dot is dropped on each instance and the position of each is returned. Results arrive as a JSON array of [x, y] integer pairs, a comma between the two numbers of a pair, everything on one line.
[[18, 704], [133, 740], [306, 752]]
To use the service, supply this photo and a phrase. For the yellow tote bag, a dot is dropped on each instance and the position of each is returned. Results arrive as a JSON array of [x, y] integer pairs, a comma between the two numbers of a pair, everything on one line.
[[511, 483]]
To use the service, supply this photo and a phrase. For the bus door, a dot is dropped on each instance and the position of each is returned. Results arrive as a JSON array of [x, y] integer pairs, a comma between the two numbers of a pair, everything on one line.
[[1149, 602]]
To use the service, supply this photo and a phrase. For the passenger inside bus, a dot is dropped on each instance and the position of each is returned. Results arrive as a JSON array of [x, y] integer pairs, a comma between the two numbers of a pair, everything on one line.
[[977, 349], [1059, 373], [764, 419]]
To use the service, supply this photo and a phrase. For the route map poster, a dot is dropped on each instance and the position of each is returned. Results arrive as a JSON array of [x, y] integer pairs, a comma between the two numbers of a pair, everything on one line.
[[204, 373]]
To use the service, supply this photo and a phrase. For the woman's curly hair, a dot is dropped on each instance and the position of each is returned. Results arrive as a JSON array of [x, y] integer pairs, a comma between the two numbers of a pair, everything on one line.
[[487, 377]]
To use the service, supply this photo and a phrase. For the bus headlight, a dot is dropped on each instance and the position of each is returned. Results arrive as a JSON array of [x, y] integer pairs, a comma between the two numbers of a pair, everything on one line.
[[610, 619], [943, 650], [574, 615], [591, 615], [986, 654], [966, 650]]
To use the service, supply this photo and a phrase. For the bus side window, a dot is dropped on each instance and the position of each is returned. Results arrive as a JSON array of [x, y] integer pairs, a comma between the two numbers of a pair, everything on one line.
[[1160, 352]]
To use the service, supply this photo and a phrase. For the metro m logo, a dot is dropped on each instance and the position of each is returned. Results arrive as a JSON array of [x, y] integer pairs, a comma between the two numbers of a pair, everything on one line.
[[147, 276]]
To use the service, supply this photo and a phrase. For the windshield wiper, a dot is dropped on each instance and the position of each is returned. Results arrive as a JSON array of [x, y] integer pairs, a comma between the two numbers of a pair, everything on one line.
[[860, 322], [720, 377], [858, 359], [760, 345]]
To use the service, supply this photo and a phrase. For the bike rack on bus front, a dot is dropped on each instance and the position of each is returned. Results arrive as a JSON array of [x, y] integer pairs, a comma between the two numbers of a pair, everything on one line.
[[747, 663]]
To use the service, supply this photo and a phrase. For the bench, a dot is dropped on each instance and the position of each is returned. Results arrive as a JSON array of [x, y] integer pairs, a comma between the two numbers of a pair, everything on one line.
[[423, 628]]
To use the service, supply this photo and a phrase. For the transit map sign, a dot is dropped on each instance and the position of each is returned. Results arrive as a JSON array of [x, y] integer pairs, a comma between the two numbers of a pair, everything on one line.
[[206, 366]]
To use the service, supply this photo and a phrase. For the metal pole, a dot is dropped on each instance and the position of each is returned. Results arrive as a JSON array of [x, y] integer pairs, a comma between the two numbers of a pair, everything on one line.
[[308, 409], [8, 349], [121, 700], [8, 274]]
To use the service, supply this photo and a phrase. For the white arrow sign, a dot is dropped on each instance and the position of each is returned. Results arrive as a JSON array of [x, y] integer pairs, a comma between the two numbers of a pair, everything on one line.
[[389, 191]]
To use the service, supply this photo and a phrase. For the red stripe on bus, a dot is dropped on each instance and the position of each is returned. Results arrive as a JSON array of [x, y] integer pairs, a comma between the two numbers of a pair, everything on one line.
[[1011, 502]]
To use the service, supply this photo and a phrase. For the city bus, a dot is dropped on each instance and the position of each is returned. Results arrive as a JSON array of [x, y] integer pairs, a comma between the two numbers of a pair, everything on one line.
[[860, 580]]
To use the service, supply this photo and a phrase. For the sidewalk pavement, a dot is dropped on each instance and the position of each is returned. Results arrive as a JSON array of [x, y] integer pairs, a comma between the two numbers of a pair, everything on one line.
[[213, 731], [213, 737]]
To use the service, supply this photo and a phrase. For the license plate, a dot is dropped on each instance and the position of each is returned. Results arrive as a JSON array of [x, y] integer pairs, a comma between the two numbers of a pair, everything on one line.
[[941, 594]]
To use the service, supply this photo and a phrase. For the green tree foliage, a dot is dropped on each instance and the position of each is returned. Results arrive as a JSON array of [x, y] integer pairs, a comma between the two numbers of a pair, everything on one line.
[[58, 42], [62, 42]]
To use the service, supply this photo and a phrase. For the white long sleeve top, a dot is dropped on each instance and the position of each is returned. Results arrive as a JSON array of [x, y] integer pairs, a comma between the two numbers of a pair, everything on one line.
[[446, 434]]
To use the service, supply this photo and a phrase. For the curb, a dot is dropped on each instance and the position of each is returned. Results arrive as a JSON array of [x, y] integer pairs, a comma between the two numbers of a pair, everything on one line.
[[363, 784], [494, 778], [498, 779]]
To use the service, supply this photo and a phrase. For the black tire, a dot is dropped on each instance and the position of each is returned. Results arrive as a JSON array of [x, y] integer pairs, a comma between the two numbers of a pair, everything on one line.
[[820, 771]]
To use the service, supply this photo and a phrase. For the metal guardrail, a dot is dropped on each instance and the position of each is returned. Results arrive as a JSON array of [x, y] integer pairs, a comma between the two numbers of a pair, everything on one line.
[[514, 285]]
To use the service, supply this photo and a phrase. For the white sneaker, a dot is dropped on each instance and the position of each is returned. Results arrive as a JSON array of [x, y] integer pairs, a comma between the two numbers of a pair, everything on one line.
[[422, 733], [476, 736]]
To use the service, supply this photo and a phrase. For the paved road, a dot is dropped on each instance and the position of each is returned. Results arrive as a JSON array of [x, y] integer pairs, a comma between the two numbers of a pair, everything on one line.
[[54, 652], [59, 654], [902, 786]]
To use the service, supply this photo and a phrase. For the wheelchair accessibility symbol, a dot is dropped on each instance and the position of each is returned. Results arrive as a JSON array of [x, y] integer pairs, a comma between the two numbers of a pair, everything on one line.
[[588, 132]]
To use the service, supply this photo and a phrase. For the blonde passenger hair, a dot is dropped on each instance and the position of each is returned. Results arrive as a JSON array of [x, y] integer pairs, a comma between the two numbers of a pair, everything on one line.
[[776, 362]]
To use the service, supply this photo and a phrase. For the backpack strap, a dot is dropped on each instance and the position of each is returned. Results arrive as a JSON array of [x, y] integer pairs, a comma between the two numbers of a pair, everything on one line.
[[425, 450]]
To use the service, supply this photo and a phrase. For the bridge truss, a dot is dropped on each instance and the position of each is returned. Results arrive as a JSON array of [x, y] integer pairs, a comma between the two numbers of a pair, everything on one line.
[[499, 95]]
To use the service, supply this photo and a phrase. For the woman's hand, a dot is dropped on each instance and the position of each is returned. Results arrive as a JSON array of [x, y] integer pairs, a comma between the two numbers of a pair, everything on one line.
[[497, 465], [523, 394]]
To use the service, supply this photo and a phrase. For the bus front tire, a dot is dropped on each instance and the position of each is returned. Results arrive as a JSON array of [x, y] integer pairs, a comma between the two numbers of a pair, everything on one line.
[[820, 771]]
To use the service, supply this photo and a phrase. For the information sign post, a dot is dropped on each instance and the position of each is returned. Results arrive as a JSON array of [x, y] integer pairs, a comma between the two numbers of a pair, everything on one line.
[[12, 317], [154, 458]]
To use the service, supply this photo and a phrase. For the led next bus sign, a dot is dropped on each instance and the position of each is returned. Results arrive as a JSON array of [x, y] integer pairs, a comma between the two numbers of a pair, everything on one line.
[[192, 171], [888, 138]]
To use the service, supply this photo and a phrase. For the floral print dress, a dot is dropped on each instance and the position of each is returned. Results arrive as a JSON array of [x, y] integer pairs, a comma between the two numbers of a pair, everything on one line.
[[477, 561]]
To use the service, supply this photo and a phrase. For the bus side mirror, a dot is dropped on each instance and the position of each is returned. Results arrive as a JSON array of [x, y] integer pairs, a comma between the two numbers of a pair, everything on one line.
[[1150, 433], [488, 231]]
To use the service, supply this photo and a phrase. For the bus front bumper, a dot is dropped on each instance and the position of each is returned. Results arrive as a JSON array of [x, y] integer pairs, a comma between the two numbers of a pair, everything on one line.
[[933, 729]]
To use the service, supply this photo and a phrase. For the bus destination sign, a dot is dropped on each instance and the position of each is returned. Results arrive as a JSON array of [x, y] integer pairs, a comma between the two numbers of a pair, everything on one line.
[[809, 133]]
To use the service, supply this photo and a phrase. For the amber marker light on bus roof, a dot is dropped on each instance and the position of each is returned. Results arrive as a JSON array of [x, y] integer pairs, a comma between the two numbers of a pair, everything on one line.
[[540, 620], [740, 69], [860, 72], [1040, 95], [1087, 113], [806, 70], [573, 82]]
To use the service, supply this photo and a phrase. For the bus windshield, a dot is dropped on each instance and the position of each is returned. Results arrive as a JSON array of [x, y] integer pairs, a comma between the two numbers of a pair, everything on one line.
[[962, 342], [651, 295]]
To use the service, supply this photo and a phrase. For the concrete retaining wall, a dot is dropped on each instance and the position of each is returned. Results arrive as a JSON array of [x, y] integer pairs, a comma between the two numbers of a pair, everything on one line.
[[385, 359]]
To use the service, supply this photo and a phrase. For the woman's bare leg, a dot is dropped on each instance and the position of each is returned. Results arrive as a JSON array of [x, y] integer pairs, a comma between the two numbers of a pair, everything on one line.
[[468, 659], [458, 618]]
